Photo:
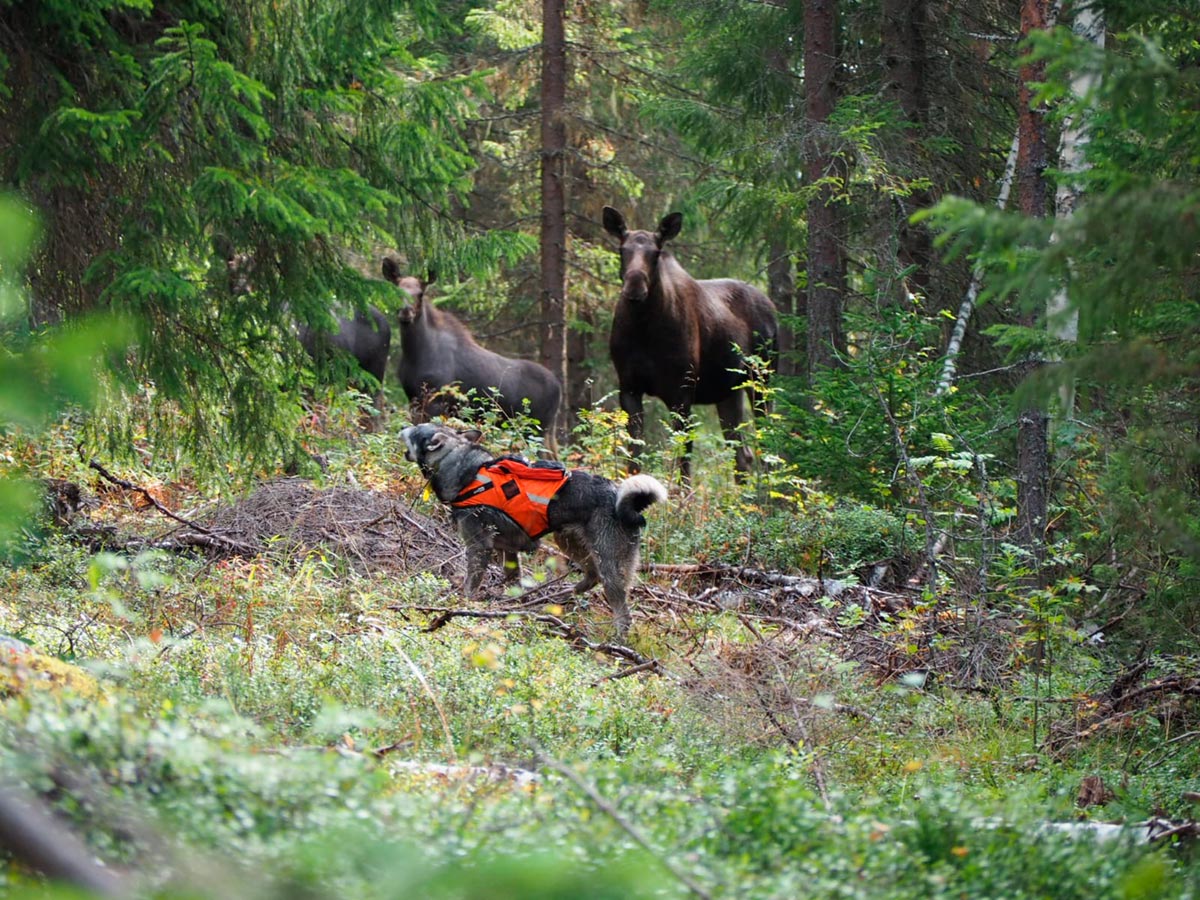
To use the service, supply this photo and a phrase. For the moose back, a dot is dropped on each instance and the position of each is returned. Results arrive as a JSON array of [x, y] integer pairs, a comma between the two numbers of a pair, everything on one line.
[[437, 350]]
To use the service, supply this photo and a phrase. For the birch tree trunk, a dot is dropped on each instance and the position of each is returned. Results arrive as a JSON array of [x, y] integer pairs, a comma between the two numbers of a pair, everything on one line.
[[554, 218], [1061, 319], [967, 308]]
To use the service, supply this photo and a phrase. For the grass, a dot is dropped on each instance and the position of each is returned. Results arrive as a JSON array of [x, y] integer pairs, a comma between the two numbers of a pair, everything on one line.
[[244, 700]]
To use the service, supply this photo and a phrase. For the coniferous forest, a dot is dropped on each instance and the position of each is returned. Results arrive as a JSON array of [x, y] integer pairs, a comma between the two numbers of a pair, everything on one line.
[[865, 334]]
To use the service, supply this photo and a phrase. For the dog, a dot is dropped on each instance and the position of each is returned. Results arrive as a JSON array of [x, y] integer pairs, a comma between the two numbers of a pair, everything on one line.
[[596, 522]]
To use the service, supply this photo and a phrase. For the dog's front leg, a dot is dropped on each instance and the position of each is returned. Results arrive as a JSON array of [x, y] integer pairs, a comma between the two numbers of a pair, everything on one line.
[[512, 565], [478, 540]]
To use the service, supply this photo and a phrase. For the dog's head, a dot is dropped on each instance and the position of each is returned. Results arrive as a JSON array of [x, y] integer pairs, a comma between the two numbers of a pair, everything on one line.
[[428, 445]]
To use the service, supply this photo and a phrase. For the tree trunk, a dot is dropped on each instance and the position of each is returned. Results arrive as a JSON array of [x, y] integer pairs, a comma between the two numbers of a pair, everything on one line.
[[1061, 319], [904, 54], [579, 356], [781, 288], [1033, 460], [967, 308], [826, 259], [554, 219]]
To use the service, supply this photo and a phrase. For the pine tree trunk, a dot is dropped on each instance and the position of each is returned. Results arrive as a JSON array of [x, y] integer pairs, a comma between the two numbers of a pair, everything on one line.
[[826, 259], [554, 220], [904, 54], [781, 288], [1033, 459]]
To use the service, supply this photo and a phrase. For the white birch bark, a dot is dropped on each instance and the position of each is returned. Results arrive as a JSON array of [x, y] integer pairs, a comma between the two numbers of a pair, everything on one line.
[[954, 347], [1062, 320]]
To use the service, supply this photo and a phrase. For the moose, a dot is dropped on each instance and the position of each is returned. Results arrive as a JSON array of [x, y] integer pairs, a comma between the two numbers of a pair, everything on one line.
[[437, 350], [683, 340], [366, 336]]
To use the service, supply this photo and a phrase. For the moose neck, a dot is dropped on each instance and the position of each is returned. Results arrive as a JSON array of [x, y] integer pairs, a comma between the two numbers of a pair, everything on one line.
[[665, 287], [414, 335]]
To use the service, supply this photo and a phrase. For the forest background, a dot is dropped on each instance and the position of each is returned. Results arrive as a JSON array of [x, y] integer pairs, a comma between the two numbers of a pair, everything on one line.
[[979, 228]]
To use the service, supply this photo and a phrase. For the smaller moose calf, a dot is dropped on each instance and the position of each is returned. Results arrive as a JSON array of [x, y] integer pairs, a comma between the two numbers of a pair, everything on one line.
[[438, 350]]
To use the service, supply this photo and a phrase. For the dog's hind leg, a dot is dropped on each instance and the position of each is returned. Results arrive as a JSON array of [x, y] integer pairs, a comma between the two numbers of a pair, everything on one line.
[[512, 565], [571, 542], [617, 558]]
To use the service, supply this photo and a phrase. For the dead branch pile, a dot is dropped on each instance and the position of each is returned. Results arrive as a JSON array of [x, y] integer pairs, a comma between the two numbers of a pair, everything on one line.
[[372, 531], [1132, 697]]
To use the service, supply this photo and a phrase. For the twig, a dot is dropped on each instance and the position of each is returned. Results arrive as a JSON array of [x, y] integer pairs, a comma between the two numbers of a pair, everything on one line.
[[624, 824], [648, 666], [31, 834], [206, 537], [130, 486], [557, 626]]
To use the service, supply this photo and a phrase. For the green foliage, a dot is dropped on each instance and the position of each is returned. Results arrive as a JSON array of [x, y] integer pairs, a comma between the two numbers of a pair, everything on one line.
[[306, 135], [1125, 258], [43, 372]]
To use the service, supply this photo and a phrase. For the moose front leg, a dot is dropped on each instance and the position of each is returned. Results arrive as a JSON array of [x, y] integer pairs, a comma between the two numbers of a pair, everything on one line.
[[631, 403], [681, 415]]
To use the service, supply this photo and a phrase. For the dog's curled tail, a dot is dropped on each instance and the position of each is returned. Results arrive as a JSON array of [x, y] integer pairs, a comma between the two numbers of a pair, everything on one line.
[[635, 494]]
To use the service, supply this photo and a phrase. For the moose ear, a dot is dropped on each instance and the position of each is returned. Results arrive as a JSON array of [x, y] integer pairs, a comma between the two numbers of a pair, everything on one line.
[[669, 227], [391, 269], [474, 435], [614, 223]]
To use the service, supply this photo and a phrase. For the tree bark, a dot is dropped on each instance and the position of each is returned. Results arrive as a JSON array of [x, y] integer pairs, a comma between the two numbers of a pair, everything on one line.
[[781, 288], [1033, 458], [1061, 319], [826, 258], [967, 308], [904, 54], [554, 219]]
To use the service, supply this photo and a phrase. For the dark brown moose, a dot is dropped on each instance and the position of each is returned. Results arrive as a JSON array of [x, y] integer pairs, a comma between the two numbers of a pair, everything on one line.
[[683, 340], [437, 350], [365, 335]]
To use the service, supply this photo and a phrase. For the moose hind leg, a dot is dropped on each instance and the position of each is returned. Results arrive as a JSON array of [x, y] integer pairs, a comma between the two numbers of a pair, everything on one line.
[[732, 412]]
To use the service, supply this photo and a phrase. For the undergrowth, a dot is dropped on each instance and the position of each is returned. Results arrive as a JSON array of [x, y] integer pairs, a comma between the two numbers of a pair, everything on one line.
[[289, 718]]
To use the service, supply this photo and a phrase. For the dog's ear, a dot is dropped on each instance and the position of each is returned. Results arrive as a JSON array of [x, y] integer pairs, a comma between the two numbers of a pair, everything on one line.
[[435, 442], [474, 435]]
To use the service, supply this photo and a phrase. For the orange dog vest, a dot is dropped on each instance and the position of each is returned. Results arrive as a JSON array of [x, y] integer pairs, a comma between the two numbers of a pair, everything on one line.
[[519, 490]]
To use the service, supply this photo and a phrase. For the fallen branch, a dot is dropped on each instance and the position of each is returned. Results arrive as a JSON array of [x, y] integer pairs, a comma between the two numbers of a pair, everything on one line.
[[801, 584], [203, 538], [32, 835], [150, 498], [624, 824], [556, 626], [648, 666]]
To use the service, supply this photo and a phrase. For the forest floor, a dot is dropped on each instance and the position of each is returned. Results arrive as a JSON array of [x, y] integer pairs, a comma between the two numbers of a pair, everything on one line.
[[293, 670]]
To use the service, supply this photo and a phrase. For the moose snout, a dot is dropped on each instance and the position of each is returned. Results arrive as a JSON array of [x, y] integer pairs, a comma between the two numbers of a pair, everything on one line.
[[636, 288]]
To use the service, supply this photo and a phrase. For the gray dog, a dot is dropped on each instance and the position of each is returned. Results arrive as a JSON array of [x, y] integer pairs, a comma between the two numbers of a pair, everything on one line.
[[502, 503]]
